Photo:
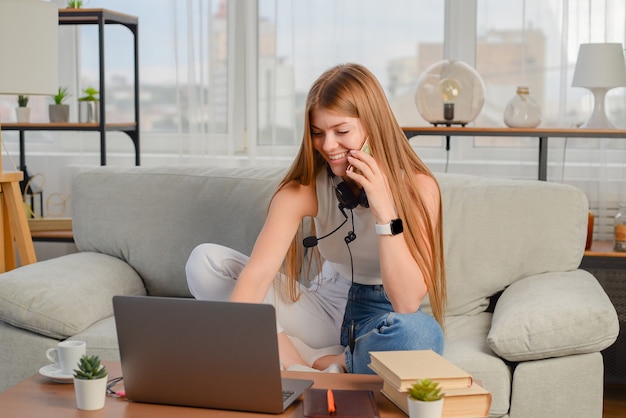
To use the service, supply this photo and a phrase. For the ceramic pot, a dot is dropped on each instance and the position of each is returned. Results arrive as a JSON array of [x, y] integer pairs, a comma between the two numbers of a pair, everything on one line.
[[90, 394], [22, 114], [89, 111], [420, 409], [59, 113]]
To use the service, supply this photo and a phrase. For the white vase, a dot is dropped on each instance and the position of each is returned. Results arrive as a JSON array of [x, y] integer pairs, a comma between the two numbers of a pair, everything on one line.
[[522, 111], [90, 394], [420, 409], [22, 114]]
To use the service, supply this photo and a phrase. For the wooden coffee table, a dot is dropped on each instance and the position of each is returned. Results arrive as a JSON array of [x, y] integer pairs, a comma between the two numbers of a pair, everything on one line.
[[38, 396]]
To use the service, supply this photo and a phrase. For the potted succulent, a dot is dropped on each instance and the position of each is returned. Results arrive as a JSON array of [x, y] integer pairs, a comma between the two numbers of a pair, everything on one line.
[[59, 111], [22, 111], [425, 399], [89, 106], [90, 381]]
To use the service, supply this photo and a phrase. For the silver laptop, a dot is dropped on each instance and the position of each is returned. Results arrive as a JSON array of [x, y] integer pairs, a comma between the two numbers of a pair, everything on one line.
[[205, 354]]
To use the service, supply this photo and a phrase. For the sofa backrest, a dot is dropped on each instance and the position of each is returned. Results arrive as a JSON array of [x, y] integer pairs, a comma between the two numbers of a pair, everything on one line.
[[496, 231], [153, 217]]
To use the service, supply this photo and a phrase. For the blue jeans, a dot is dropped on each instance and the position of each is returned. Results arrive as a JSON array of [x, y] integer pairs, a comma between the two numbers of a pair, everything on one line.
[[378, 328]]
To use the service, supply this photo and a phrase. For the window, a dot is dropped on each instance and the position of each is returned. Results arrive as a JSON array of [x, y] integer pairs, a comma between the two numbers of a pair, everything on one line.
[[225, 81]]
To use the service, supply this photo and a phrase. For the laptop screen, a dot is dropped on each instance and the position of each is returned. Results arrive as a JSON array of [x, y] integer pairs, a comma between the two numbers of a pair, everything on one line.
[[199, 353]]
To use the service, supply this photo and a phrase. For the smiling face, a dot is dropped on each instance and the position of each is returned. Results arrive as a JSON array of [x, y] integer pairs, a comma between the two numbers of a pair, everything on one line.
[[334, 135]]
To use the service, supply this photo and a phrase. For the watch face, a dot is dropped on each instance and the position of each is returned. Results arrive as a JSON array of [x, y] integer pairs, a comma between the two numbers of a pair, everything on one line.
[[396, 226]]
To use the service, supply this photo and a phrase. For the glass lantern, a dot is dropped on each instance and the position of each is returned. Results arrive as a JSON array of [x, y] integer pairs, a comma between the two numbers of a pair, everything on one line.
[[450, 93]]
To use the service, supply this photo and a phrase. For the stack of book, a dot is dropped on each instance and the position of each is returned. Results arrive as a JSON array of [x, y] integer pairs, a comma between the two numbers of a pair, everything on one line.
[[463, 397]]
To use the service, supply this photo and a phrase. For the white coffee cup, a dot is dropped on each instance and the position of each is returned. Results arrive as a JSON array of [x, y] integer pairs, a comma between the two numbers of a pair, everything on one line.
[[67, 355]]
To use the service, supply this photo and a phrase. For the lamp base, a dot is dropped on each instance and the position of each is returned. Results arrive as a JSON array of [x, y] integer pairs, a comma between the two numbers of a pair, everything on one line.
[[598, 119], [448, 123]]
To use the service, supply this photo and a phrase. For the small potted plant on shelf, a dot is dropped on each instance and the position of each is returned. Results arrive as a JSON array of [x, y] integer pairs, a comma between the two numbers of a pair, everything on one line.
[[89, 106], [22, 112], [59, 111], [425, 399], [90, 381], [76, 4]]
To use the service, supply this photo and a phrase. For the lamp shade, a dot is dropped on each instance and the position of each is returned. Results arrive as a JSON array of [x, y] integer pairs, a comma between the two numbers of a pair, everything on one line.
[[599, 68], [600, 65], [28, 47]]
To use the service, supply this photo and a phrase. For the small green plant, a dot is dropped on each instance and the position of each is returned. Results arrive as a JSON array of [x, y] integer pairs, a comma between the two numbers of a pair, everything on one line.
[[61, 95], [22, 101], [89, 368], [76, 4], [425, 390], [90, 95]]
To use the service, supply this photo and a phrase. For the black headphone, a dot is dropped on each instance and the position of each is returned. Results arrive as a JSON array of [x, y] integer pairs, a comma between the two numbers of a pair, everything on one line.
[[347, 200], [346, 197]]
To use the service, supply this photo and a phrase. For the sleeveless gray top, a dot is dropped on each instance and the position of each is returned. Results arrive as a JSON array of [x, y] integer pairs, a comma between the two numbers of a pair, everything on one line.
[[333, 248]]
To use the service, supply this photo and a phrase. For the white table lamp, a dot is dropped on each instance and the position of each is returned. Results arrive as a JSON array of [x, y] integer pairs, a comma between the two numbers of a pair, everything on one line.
[[599, 68], [29, 66]]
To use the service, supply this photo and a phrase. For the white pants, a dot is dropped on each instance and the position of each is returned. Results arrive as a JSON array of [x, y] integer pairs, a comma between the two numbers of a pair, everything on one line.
[[313, 322]]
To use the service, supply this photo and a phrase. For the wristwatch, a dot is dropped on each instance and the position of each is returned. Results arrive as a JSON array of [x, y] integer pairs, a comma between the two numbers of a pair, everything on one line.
[[392, 228]]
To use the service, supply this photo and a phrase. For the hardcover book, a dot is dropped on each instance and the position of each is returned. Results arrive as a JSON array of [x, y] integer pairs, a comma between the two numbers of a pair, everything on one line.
[[403, 368], [340, 404], [473, 401]]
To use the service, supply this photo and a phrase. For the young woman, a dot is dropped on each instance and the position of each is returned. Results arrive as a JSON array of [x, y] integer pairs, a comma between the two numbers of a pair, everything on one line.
[[377, 218]]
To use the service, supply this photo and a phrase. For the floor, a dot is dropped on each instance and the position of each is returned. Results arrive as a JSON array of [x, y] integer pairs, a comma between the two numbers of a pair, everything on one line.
[[614, 401]]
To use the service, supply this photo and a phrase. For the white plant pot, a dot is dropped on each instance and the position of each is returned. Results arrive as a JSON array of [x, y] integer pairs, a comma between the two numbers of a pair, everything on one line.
[[22, 114], [419, 409], [90, 394], [89, 111]]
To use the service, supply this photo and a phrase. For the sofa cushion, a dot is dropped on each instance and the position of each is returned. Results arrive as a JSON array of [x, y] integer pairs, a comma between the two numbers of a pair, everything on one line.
[[552, 315], [62, 296]]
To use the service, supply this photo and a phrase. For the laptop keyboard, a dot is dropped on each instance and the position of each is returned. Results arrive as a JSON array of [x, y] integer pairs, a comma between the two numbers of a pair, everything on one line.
[[287, 394]]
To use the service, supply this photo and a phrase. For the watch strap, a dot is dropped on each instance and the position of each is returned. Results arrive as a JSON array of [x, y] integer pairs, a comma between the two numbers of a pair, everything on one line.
[[392, 228]]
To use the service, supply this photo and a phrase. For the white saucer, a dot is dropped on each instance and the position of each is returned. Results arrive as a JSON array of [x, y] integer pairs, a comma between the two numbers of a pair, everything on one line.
[[53, 372]]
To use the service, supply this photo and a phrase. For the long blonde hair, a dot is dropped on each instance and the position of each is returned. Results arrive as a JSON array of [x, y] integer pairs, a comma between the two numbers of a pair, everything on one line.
[[352, 90]]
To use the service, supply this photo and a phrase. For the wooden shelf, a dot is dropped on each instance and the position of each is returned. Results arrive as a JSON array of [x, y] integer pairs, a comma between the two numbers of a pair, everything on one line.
[[603, 249], [543, 134], [69, 126], [602, 257], [50, 224], [504, 131], [101, 18], [51, 229]]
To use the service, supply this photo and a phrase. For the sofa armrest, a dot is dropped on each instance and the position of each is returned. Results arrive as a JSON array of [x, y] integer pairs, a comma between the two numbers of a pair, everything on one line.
[[552, 315], [61, 297]]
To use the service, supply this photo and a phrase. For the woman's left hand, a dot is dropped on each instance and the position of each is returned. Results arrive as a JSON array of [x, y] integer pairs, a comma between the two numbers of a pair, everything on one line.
[[369, 176]]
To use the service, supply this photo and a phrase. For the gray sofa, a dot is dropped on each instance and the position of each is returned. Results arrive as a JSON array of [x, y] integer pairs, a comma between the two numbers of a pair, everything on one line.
[[522, 318]]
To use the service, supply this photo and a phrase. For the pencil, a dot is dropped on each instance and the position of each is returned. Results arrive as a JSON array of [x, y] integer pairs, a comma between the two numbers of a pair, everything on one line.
[[331, 402]]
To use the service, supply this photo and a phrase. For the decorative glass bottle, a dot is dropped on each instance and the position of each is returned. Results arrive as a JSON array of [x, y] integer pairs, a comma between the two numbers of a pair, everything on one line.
[[620, 229], [522, 111]]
